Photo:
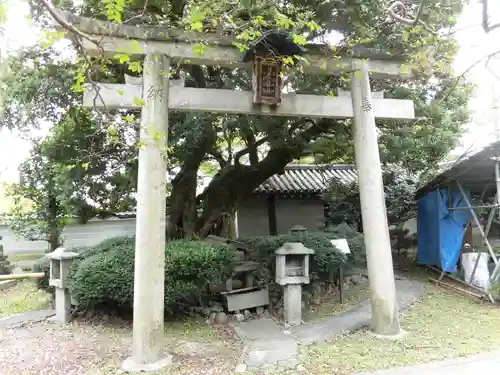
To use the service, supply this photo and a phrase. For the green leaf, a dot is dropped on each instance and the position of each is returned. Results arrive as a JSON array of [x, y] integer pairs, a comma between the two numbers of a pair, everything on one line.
[[139, 102], [299, 39], [129, 118], [135, 66], [122, 57], [199, 49], [197, 26]]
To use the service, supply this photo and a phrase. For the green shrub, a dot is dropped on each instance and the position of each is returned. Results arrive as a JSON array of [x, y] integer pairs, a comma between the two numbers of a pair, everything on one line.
[[42, 265], [326, 259], [104, 276]]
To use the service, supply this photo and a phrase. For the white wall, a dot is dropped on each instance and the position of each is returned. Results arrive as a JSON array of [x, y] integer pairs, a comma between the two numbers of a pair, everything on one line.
[[88, 234], [252, 221], [253, 218]]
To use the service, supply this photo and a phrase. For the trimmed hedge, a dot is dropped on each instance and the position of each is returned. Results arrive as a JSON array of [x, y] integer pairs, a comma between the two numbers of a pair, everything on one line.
[[104, 275], [326, 260]]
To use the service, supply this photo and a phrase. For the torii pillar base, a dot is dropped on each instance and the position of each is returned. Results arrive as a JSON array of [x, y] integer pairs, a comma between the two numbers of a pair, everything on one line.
[[131, 366]]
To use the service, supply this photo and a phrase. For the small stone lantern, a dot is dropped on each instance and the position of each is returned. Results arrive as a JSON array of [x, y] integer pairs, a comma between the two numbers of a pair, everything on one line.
[[298, 230], [60, 262], [292, 270]]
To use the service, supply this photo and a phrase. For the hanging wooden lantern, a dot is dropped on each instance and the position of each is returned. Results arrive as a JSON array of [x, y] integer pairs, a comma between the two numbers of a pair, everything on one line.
[[267, 81], [267, 53]]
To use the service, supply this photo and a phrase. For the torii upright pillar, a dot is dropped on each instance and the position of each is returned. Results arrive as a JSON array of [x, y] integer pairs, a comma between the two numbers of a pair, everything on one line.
[[385, 318], [149, 269]]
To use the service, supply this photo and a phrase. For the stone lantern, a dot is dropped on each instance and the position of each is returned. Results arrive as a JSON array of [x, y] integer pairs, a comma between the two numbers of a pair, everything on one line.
[[60, 263], [292, 270], [298, 230]]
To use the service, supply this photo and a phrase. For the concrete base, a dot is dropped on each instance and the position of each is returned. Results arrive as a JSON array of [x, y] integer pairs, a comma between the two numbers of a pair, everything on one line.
[[130, 365], [402, 334], [292, 301]]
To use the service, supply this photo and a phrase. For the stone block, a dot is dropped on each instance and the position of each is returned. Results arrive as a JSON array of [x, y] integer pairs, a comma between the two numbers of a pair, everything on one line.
[[221, 318], [246, 299]]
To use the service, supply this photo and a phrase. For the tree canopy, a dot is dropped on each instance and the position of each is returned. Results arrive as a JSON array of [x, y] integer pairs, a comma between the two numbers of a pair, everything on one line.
[[96, 151]]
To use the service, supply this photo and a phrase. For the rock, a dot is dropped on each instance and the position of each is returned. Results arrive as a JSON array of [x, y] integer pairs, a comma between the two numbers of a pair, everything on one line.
[[239, 317], [211, 319], [306, 299], [240, 368], [316, 290], [247, 314], [346, 286], [266, 313], [300, 368], [315, 301], [206, 311], [216, 307], [106, 318], [221, 318], [358, 279], [259, 310]]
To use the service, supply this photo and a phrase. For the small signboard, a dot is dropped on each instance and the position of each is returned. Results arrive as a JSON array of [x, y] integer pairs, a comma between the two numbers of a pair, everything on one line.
[[342, 245], [267, 81]]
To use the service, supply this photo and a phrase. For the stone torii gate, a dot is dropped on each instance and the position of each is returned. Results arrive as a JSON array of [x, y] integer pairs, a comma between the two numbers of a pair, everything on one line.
[[160, 48]]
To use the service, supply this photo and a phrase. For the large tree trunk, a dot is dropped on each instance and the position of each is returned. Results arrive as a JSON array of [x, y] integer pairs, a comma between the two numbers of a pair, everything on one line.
[[228, 225], [183, 203], [235, 182], [182, 217]]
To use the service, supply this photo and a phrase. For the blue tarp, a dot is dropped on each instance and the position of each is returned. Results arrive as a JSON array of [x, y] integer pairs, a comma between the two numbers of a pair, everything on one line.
[[441, 231]]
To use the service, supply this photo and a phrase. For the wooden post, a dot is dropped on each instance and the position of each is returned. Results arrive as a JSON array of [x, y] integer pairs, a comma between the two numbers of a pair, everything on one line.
[[385, 318], [271, 215], [149, 274]]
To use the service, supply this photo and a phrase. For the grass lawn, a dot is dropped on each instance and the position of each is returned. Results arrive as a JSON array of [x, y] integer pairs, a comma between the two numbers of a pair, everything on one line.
[[24, 257], [441, 325], [22, 297], [332, 305]]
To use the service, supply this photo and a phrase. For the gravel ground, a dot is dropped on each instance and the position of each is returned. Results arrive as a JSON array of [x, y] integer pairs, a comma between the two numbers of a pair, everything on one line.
[[98, 349]]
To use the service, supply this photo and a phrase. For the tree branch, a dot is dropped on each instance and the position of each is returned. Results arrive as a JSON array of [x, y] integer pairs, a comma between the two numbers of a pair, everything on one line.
[[485, 21], [247, 150], [217, 155], [55, 14], [400, 6], [477, 62]]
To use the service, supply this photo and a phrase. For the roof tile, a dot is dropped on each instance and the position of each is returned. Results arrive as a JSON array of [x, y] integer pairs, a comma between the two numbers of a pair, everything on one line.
[[307, 179]]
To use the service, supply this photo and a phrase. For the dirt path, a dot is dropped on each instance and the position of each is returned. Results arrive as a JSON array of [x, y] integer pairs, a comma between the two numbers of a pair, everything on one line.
[[86, 349]]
